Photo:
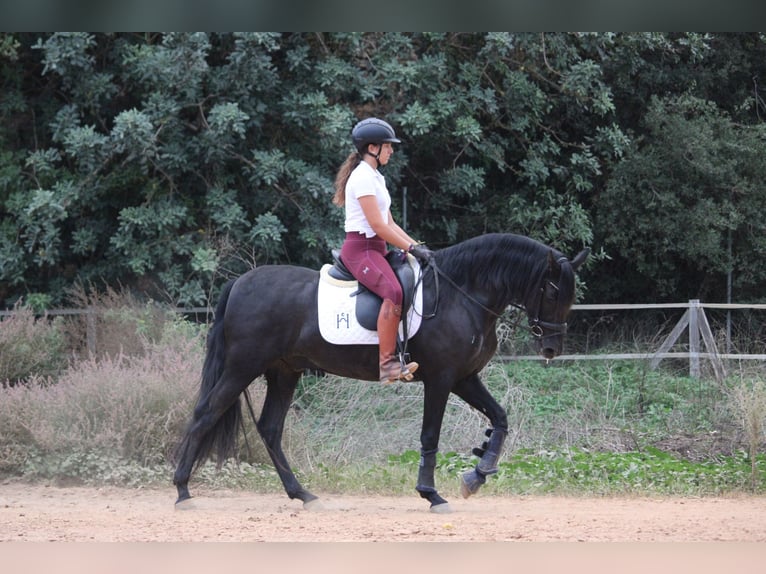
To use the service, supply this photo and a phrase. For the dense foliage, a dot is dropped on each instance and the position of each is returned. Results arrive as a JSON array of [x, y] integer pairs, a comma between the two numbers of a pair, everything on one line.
[[166, 162]]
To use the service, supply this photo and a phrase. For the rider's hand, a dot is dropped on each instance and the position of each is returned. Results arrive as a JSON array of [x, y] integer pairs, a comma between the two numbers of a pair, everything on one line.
[[422, 253]]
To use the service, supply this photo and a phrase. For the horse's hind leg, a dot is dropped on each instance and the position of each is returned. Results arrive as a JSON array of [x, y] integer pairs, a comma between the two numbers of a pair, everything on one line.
[[280, 388], [214, 427]]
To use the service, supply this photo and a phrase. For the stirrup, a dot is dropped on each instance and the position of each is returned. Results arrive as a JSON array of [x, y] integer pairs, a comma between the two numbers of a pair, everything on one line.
[[405, 373], [408, 371]]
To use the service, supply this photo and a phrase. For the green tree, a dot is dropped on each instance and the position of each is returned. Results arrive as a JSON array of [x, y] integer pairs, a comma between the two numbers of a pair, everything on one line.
[[167, 161], [692, 183], [156, 153]]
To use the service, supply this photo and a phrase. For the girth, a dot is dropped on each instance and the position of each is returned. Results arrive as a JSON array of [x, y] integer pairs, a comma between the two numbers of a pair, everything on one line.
[[368, 303]]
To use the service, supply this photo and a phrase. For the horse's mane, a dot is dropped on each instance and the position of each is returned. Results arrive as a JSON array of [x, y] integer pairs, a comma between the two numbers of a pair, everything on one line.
[[505, 264]]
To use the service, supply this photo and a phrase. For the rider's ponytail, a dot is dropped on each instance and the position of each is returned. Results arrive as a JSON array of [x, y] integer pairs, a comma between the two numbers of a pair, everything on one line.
[[341, 178]]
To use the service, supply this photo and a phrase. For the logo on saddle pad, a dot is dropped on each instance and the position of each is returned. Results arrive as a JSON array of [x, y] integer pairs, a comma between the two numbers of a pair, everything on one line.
[[348, 311]]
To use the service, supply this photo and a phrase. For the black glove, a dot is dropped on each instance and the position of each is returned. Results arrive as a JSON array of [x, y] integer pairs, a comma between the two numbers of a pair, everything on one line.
[[422, 253]]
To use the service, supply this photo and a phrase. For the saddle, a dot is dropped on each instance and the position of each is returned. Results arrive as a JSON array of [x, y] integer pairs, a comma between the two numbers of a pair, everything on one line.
[[368, 303]]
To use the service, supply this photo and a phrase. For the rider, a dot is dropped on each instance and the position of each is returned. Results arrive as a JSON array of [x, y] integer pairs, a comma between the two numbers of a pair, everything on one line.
[[369, 226]]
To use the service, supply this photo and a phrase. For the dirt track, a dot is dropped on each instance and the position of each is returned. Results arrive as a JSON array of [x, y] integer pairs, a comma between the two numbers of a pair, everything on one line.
[[40, 513]]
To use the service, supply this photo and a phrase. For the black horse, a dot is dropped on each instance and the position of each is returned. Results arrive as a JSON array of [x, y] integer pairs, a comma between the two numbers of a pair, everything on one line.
[[266, 323]]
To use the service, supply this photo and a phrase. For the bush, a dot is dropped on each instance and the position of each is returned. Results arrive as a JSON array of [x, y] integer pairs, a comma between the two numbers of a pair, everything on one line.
[[119, 324], [31, 346], [130, 409], [748, 396]]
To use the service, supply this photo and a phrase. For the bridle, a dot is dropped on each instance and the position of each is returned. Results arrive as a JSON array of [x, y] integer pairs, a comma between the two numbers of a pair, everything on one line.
[[536, 326]]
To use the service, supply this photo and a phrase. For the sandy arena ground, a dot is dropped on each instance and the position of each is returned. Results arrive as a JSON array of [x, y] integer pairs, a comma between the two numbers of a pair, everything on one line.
[[81, 530], [79, 514]]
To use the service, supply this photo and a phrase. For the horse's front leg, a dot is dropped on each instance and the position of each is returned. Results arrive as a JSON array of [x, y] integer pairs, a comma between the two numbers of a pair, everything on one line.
[[434, 404], [474, 393]]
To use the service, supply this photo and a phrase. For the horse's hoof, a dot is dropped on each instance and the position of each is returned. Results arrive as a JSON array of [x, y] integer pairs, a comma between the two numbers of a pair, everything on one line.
[[185, 504], [313, 505], [470, 482], [443, 508]]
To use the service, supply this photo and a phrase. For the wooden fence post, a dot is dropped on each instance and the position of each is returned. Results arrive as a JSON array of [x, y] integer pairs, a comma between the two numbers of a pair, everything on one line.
[[670, 339], [694, 338], [694, 318], [707, 336]]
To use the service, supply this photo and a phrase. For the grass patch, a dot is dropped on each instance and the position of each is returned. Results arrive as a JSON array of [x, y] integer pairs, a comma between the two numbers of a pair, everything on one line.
[[601, 473]]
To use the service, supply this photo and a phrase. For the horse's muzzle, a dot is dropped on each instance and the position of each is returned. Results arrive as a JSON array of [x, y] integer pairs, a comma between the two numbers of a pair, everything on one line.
[[549, 353], [551, 346], [549, 337]]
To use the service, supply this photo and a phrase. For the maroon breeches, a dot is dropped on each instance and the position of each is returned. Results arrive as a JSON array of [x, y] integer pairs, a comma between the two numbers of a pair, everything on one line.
[[365, 258]]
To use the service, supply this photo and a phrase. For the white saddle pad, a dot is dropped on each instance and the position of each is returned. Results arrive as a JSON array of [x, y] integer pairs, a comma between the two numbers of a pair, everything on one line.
[[337, 315]]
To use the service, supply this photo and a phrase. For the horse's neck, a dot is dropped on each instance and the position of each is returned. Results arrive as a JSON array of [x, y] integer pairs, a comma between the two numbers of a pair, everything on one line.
[[497, 278], [514, 284]]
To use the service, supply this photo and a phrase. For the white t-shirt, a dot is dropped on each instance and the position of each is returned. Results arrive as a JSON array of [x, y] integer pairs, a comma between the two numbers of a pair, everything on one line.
[[365, 180]]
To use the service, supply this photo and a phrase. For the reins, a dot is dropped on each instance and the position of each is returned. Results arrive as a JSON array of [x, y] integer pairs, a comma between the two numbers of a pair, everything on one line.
[[536, 325], [437, 273]]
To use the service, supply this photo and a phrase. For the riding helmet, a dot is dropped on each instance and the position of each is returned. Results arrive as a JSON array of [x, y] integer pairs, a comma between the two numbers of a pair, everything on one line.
[[372, 131]]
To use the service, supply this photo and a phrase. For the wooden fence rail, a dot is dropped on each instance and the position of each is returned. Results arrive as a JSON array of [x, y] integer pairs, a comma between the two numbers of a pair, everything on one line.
[[693, 320]]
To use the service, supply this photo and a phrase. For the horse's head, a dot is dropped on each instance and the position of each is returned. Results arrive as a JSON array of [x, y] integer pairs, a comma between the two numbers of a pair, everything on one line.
[[549, 303]]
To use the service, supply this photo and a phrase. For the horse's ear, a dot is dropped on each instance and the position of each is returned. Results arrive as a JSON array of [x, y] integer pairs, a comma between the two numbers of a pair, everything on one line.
[[580, 258], [553, 263]]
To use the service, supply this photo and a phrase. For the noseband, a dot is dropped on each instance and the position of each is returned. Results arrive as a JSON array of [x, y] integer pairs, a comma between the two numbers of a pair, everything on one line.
[[536, 326]]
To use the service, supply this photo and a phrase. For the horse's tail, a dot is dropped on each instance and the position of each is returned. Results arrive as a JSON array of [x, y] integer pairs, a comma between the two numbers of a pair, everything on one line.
[[222, 438]]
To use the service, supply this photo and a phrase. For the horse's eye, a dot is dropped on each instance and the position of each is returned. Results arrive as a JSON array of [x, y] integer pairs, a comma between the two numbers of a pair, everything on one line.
[[551, 291]]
